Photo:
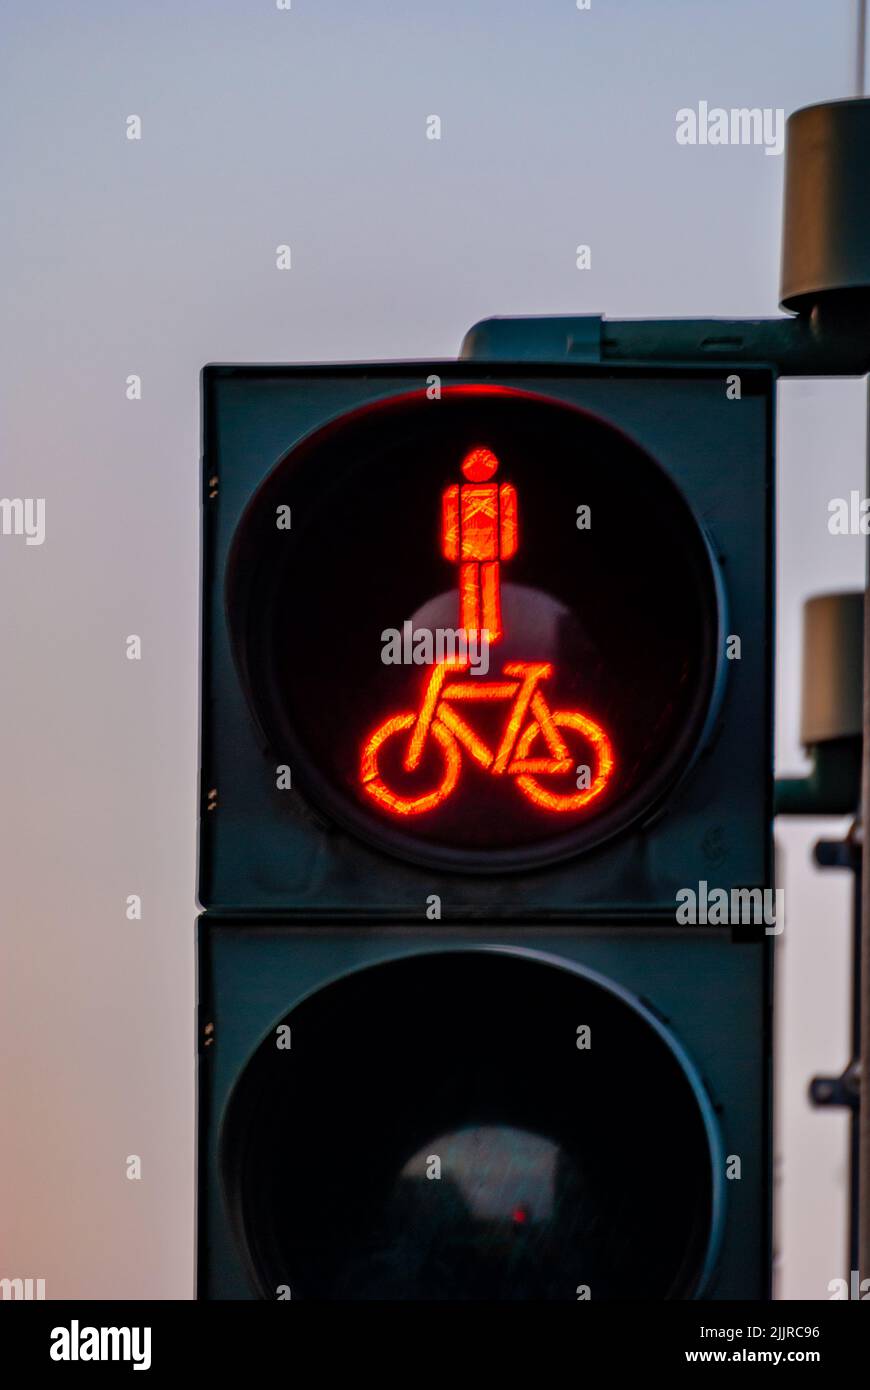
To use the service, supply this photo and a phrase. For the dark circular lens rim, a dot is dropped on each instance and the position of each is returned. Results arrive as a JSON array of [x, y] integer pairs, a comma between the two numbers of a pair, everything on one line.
[[246, 1097], [255, 661]]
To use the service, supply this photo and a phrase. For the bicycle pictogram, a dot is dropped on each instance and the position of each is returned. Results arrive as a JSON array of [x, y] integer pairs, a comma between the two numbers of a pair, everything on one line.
[[479, 531]]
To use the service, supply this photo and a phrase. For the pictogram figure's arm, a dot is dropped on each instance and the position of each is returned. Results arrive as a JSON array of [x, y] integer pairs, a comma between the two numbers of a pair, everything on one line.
[[507, 509], [450, 522]]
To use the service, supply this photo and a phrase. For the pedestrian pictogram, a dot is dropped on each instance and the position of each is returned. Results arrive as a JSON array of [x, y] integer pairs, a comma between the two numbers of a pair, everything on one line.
[[479, 530]]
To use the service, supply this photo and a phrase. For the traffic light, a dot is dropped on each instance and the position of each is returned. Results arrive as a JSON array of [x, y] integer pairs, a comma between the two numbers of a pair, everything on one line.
[[486, 695]]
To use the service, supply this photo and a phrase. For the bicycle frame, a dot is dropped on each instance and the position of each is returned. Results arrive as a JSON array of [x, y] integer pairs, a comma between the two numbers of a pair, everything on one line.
[[524, 693]]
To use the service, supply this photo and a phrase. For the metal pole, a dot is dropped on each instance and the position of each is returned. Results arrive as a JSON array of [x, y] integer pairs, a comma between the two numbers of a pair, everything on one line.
[[865, 938], [864, 1107]]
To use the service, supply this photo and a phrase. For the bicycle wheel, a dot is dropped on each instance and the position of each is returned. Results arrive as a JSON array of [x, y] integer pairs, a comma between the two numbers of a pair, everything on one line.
[[383, 748], [595, 753]]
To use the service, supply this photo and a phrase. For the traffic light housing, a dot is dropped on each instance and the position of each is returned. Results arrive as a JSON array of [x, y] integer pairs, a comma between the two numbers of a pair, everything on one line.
[[454, 1039], [426, 1114], [608, 746]]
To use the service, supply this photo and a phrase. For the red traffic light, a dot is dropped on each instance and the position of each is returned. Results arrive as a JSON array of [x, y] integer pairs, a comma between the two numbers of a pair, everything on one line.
[[491, 638]]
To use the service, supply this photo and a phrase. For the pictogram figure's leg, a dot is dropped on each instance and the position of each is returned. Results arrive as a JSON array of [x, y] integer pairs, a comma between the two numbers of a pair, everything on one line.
[[469, 596], [491, 590]]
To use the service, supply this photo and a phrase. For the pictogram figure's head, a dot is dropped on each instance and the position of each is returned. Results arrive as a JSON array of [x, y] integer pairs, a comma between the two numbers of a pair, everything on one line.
[[479, 465]]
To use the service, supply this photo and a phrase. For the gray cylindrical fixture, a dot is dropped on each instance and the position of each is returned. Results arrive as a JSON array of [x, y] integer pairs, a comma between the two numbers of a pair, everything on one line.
[[826, 218], [831, 703]]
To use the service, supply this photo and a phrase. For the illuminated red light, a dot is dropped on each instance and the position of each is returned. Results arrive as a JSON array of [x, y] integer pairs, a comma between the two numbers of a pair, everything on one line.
[[408, 806], [450, 523], [479, 465], [478, 531], [451, 732], [520, 1216]]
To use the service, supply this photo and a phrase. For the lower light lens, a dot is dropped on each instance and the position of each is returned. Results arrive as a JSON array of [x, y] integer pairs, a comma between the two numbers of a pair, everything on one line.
[[436, 1132]]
